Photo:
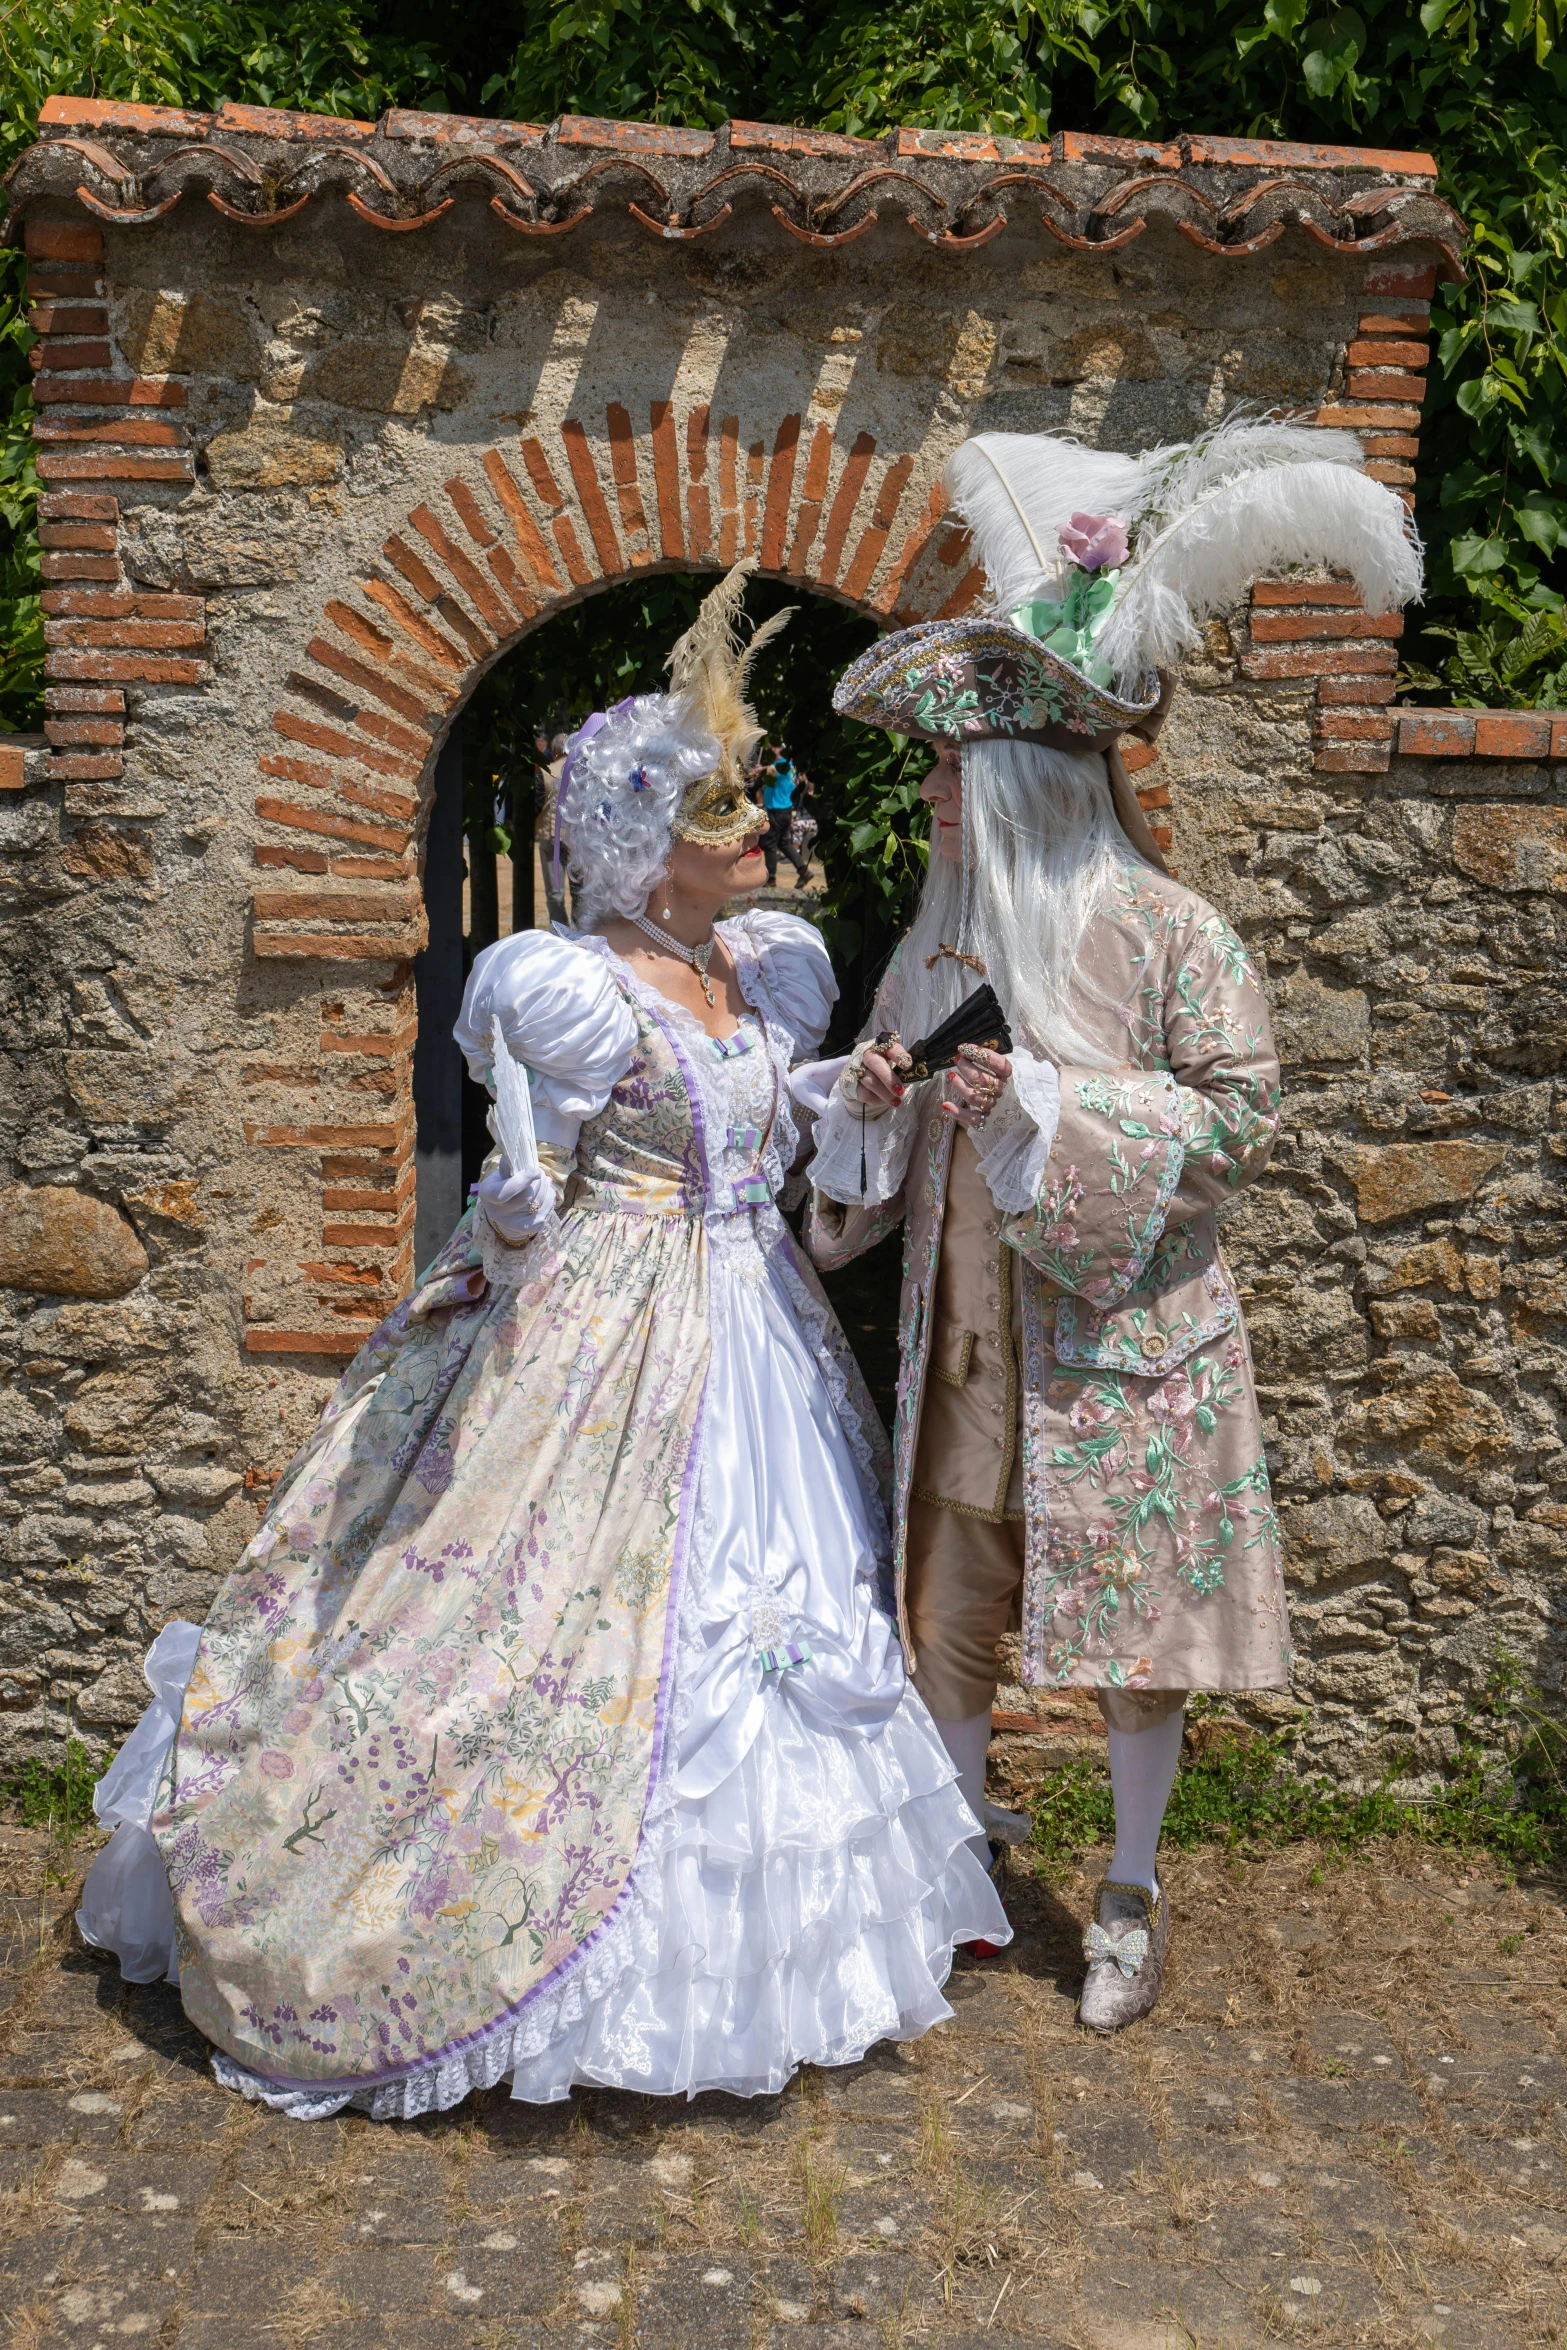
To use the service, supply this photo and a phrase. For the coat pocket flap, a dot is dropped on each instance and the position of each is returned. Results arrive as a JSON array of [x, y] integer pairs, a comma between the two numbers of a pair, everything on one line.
[[1153, 1332], [951, 1348]]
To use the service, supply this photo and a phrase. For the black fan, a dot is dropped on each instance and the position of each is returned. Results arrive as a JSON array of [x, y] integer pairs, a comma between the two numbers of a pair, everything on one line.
[[979, 1019]]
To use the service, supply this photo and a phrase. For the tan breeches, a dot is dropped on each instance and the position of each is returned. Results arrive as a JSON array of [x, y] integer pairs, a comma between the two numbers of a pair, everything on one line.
[[963, 1595]]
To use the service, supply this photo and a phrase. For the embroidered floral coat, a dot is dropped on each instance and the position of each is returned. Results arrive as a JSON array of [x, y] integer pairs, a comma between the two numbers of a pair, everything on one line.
[[1152, 1553]]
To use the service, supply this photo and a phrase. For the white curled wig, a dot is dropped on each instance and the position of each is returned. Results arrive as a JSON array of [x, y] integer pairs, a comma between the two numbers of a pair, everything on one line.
[[618, 796], [1041, 847]]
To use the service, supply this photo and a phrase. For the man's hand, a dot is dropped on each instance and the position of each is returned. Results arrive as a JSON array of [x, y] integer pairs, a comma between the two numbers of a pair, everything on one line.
[[879, 1081], [976, 1085]]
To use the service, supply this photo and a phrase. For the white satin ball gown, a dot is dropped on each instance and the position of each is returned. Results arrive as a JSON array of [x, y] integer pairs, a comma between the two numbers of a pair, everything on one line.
[[743, 1849]]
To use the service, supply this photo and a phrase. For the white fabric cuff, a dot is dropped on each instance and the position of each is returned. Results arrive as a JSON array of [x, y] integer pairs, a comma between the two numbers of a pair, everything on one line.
[[885, 1142], [1015, 1142]]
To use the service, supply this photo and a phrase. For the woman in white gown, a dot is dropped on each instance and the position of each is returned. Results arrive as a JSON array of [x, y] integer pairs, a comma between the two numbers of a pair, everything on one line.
[[552, 1727]]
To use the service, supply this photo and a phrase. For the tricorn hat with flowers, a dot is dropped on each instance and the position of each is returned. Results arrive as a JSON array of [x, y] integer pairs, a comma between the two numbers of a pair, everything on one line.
[[1101, 568]]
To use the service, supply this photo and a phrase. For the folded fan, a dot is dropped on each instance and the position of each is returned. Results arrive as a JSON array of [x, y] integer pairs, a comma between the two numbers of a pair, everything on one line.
[[979, 1019]]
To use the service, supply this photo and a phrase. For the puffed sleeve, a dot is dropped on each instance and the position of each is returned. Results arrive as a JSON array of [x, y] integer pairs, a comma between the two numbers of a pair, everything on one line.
[[797, 973], [562, 1017]]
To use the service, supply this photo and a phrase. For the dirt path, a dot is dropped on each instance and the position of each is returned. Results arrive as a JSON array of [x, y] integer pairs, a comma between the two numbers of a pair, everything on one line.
[[1344, 2126]]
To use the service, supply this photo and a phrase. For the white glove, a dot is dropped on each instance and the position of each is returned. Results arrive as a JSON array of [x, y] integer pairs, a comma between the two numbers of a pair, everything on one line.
[[516, 1205]]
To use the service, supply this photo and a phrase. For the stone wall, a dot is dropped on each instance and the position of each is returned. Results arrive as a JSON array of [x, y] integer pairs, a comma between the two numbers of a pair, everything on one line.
[[307, 479]]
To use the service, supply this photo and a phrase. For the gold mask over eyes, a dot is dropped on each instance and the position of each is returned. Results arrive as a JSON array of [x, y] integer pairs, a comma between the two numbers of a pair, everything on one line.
[[710, 667]]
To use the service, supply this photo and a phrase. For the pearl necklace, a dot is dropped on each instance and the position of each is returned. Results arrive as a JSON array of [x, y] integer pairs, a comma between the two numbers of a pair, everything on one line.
[[697, 957]]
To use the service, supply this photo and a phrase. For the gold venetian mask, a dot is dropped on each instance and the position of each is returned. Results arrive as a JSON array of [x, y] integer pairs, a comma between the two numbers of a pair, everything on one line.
[[717, 812]]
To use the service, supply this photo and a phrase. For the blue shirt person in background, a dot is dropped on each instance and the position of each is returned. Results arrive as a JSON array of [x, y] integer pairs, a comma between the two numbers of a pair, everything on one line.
[[778, 781]]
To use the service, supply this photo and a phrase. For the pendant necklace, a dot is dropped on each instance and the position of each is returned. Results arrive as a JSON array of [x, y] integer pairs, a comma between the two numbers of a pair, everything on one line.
[[697, 957]]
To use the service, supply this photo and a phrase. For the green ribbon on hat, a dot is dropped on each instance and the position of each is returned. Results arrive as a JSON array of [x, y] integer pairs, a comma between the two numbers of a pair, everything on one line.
[[1070, 628]]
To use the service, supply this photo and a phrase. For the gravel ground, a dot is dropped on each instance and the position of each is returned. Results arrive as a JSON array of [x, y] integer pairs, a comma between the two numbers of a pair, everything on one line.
[[1344, 2125]]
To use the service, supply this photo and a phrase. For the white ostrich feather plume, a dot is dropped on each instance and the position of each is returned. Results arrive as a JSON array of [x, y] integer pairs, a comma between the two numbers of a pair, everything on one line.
[[1206, 518], [1015, 489]]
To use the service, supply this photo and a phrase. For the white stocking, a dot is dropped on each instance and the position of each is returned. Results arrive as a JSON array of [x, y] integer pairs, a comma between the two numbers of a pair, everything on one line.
[[968, 1743], [1142, 1772]]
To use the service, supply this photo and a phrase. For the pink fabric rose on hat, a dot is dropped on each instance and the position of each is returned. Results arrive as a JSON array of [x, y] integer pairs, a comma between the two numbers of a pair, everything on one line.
[[1096, 541]]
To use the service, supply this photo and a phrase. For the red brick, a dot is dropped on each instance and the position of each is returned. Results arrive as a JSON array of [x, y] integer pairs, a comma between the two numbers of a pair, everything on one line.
[[399, 805], [1355, 689], [267, 1341], [1301, 591], [286, 122], [73, 566], [60, 240], [874, 536], [530, 544], [1381, 383], [1354, 726], [77, 506], [152, 636], [513, 586], [1559, 738], [1399, 476], [1367, 759], [465, 571], [108, 391], [1136, 754], [1512, 734], [1352, 418], [132, 668], [1284, 628], [111, 465], [54, 357], [97, 700], [120, 114], [297, 860], [841, 513], [728, 490], [470, 513], [780, 490], [1401, 279], [73, 732], [1437, 734], [75, 284], [97, 604], [965, 595], [324, 905], [370, 681], [330, 827], [666, 481], [84, 766], [628, 492], [373, 868], [349, 947], [818, 467], [1388, 353], [913, 547], [316, 737], [101, 537], [590, 497], [68, 318], [1390, 444], [128, 432], [314, 772], [348, 712], [414, 624], [1151, 796], [699, 504], [1319, 661], [1413, 319]]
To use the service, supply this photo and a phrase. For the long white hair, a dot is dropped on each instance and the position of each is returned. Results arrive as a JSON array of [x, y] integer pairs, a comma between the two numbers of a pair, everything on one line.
[[1040, 847]]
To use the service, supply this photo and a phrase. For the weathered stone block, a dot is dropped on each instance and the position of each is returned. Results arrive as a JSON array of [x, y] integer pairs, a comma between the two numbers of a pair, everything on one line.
[[1513, 848], [1334, 1536], [1406, 1178], [67, 1244], [1317, 1026], [1436, 1420], [184, 333], [270, 452]]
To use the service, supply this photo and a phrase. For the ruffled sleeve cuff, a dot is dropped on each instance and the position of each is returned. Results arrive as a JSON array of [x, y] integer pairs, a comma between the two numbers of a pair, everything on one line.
[[1015, 1142], [842, 1135]]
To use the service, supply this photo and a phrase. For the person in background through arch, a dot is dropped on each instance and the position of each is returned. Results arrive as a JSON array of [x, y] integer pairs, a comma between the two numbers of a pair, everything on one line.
[[551, 1728], [549, 773], [1079, 1447], [778, 789]]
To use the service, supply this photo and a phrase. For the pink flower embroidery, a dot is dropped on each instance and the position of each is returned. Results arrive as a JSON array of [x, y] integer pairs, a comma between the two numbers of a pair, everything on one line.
[[1096, 541]]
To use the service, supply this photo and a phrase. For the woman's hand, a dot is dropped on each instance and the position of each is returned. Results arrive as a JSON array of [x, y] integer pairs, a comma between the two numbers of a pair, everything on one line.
[[879, 1082], [977, 1084]]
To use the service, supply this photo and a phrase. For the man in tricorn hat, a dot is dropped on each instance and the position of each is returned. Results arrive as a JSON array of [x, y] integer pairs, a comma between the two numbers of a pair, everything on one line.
[[1079, 1449]]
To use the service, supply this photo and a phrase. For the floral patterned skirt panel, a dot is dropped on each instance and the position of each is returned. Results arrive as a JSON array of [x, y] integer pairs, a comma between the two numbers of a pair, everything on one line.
[[429, 1704]]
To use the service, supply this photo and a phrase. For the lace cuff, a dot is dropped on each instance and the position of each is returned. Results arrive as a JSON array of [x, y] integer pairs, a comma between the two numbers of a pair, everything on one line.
[[1015, 1141], [884, 1138], [508, 1264]]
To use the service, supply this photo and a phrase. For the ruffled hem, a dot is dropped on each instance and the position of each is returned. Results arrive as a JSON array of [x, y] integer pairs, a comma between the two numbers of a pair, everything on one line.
[[724, 1977]]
